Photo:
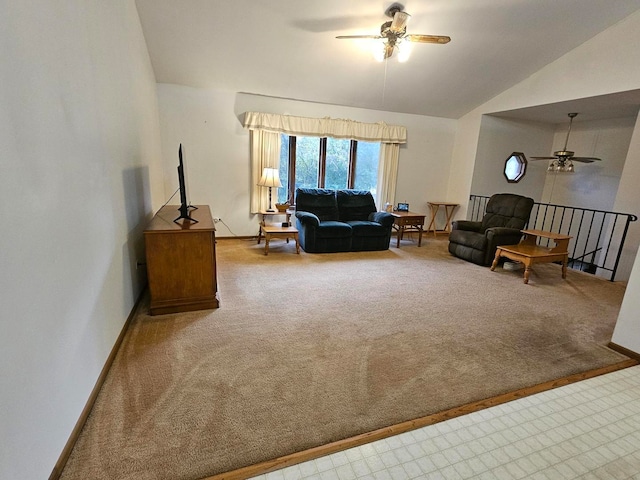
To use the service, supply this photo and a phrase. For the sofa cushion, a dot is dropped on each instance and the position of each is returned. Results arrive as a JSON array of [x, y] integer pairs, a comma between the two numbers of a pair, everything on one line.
[[333, 229], [363, 228], [355, 204], [319, 201], [474, 240]]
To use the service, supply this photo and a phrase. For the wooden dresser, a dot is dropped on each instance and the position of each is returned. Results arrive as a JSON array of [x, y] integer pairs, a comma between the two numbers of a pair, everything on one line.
[[181, 261]]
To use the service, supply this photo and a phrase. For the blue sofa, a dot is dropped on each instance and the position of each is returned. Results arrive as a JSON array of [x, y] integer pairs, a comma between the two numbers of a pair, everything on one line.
[[340, 221]]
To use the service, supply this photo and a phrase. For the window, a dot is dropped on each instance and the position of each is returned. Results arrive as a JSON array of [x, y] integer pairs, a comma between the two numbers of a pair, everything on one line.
[[515, 167], [366, 175], [336, 171], [312, 162]]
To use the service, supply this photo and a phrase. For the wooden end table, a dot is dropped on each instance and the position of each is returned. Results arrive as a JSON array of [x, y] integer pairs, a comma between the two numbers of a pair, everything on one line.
[[266, 215], [410, 221], [449, 208], [270, 230], [529, 252]]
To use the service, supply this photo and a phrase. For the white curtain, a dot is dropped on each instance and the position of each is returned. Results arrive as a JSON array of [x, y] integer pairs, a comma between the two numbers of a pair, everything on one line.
[[387, 173], [265, 152], [326, 127], [265, 133]]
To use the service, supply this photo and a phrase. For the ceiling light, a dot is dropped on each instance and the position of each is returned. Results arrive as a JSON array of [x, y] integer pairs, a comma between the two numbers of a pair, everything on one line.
[[561, 166], [399, 23], [379, 49], [404, 51]]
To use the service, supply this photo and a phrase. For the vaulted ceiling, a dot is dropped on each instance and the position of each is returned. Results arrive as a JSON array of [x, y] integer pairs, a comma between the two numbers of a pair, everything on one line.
[[288, 49]]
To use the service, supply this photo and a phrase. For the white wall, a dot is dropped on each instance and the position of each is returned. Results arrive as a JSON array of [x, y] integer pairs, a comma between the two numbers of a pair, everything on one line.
[[628, 324], [216, 150], [498, 139], [593, 185], [628, 200], [588, 72], [208, 122], [590, 66], [79, 151]]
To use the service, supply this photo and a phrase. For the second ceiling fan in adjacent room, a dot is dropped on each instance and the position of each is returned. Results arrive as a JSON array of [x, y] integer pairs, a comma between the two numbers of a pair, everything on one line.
[[563, 159]]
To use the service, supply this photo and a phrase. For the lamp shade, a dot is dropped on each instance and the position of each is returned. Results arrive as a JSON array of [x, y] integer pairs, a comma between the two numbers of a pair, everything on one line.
[[270, 178]]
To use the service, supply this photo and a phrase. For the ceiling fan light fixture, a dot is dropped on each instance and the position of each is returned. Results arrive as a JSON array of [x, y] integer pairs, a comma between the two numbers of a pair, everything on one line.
[[404, 51], [380, 50], [399, 23], [557, 166]]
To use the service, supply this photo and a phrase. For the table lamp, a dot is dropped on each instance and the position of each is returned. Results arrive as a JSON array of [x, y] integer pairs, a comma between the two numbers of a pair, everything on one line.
[[270, 178]]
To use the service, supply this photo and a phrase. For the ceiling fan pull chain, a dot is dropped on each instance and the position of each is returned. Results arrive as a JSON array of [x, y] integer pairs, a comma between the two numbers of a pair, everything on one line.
[[384, 83]]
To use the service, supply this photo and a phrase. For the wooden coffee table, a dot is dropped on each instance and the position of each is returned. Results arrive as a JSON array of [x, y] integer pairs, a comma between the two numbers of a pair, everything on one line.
[[529, 252], [270, 230]]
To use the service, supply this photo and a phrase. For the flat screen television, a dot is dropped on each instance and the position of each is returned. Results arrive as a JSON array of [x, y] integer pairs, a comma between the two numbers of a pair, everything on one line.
[[184, 202]]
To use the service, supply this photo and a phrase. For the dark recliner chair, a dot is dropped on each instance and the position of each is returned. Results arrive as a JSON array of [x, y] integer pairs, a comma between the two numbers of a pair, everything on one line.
[[340, 221], [505, 216]]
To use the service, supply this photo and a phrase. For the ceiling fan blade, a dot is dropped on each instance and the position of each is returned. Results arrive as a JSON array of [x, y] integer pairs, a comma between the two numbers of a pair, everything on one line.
[[542, 158], [584, 159], [399, 23], [358, 36], [428, 38]]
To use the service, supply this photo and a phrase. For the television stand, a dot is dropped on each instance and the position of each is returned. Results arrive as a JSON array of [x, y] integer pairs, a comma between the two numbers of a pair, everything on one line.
[[181, 262], [184, 213]]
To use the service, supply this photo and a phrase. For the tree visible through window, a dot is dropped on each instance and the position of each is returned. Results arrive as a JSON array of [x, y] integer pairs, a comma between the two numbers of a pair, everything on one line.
[[366, 175], [337, 164], [310, 162], [307, 161]]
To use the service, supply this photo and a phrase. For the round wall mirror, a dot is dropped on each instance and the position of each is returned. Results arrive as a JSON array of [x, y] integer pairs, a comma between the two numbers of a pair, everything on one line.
[[514, 167]]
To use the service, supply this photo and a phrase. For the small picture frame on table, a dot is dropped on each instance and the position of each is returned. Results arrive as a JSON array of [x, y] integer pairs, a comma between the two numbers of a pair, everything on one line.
[[403, 207]]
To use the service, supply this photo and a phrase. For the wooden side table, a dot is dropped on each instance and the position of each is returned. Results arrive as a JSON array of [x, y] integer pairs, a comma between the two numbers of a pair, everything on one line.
[[449, 208], [275, 230], [529, 252], [408, 221], [265, 217]]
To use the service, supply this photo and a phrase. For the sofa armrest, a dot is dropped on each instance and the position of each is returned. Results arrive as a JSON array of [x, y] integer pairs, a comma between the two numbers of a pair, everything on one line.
[[383, 218], [467, 225], [503, 235], [308, 218]]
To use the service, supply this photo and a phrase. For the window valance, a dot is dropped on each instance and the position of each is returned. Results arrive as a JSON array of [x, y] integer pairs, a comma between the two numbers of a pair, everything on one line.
[[325, 127]]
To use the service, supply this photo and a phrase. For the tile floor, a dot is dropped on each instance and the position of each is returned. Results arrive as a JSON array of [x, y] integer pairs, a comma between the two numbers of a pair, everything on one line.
[[586, 430]]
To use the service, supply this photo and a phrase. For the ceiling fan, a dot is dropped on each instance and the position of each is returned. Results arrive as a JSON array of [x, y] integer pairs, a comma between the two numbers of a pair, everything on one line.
[[563, 159], [394, 33]]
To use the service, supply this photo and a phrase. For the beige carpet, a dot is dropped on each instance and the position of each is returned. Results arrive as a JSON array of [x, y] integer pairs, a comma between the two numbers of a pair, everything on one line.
[[308, 349]]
